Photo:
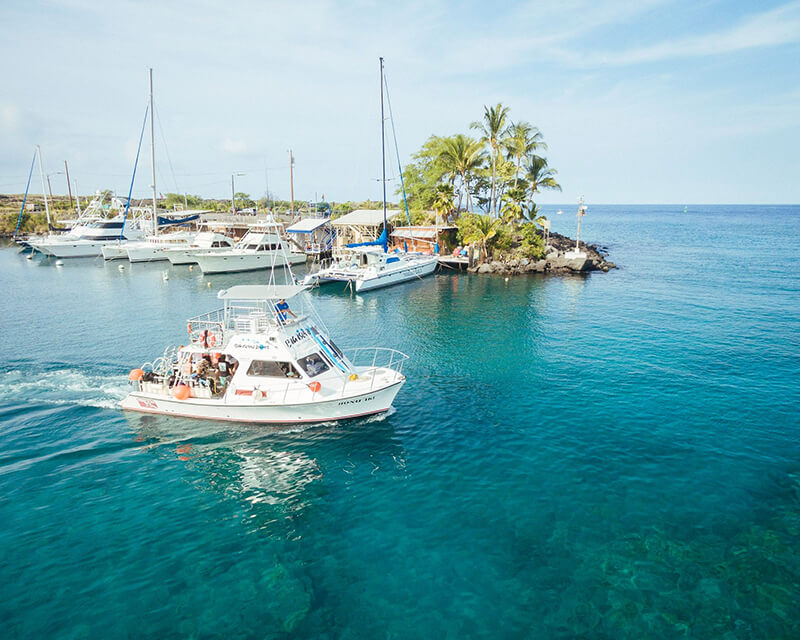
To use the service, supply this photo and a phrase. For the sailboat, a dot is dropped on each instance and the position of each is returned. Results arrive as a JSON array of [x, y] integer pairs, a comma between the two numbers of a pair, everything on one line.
[[369, 265]]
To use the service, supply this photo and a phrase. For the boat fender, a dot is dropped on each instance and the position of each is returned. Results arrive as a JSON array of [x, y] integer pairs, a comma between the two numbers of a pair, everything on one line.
[[315, 386], [189, 328], [135, 374], [181, 392], [258, 394], [353, 376]]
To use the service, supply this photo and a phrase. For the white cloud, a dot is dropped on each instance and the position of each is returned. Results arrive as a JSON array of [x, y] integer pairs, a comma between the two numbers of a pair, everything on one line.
[[235, 147], [769, 29]]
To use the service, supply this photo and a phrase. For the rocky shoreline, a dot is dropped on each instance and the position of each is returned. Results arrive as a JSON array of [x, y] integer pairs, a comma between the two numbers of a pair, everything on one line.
[[560, 259]]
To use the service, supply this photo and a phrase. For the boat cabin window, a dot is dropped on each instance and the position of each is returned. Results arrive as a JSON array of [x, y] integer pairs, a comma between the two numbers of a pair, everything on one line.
[[272, 369], [313, 365], [218, 243]]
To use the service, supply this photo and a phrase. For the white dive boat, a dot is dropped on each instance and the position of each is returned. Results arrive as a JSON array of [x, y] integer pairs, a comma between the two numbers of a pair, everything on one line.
[[262, 247], [265, 357], [205, 241], [370, 267], [88, 240]]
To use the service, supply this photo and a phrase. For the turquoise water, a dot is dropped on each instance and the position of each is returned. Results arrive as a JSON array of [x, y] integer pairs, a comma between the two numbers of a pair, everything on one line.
[[611, 456]]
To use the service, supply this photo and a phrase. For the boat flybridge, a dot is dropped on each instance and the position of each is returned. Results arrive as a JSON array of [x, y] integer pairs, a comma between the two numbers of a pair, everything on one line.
[[265, 357], [262, 247]]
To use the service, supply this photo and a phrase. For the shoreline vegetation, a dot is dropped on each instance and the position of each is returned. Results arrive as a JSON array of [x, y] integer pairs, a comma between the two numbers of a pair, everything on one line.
[[484, 185]]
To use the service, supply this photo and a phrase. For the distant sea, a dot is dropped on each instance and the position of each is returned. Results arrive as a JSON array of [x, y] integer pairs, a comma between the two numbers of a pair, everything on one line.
[[609, 456]]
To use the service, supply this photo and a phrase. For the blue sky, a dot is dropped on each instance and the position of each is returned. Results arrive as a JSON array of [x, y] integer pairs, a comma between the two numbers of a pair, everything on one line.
[[640, 102]]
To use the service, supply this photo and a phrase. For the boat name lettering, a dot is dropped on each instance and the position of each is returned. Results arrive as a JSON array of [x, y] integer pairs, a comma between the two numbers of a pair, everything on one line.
[[247, 345], [301, 335], [356, 401]]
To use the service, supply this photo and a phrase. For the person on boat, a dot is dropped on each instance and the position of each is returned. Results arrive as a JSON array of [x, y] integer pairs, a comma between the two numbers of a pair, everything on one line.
[[282, 311]]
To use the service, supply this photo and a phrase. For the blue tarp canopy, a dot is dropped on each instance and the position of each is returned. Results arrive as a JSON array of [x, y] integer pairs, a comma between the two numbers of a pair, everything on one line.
[[381, 241]]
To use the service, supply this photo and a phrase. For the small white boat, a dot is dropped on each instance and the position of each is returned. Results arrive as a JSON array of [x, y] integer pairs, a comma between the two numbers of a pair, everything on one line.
[[265, 357], [262, 247], [152, 249], [370, 267], [205, 241]]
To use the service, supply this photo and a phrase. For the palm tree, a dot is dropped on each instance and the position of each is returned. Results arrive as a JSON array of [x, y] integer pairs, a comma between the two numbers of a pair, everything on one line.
[[462, 156], [513, 207], [443, 201], [492, 128], [485, 229], [539, 177], [521, 141]]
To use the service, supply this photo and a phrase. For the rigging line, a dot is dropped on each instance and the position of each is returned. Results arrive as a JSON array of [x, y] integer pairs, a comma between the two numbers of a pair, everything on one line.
[[166, 149], [25, 197], [396, 148], [133, 177]]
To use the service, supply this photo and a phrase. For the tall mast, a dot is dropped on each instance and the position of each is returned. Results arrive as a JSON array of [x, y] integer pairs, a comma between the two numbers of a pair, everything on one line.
[[383, 161], [291, 181], [69, 186], [153, 154], [44, 193]]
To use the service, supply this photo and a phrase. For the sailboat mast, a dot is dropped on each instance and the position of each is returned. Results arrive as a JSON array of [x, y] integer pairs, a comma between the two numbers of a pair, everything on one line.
[[383, 159], [153, 154], [44, 193]]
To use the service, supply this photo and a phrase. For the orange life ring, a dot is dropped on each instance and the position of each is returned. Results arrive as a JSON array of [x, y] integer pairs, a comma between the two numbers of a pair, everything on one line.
[[212, 340], [189, 328], [315, 386]]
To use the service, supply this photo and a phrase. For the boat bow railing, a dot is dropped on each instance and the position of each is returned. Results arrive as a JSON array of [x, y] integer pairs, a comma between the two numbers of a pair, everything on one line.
[[377, 359]]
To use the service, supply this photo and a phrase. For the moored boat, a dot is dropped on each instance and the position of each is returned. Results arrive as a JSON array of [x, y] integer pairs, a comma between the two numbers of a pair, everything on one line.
[[263, 247]]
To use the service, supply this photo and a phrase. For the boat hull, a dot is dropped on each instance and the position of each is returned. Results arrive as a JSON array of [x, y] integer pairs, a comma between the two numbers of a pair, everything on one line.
[[187, 256], [115, 252], [146, 254], [388, 278], [263, 412], [77, 249], [232, 262]]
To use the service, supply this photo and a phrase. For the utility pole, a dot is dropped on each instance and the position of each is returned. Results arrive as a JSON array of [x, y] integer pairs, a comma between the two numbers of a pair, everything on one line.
[[233, 196], [69, 187]]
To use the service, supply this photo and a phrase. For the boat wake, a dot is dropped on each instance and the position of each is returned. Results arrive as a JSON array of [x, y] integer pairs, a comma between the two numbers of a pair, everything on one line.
[[62, 386]]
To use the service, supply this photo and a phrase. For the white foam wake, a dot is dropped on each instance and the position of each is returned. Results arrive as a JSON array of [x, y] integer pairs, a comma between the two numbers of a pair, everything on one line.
[[62, 386]]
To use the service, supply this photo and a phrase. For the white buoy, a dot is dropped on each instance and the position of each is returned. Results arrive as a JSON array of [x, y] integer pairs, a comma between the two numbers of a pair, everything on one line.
[[59, 263], [506, 279], [165, 276], [30, 256], [121, 267], [191, 267], [209, 284]]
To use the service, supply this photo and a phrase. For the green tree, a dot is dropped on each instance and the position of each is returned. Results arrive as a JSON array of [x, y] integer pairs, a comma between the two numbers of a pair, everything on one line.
[[492, 129], [423, 174], [522, 140], [243, 200], [462, 156], [443, 203], [474, 227], [539, 176], [513, 207]]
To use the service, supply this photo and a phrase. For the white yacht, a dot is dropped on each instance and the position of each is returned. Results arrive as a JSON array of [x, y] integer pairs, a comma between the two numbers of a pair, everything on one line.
[[151, 249], [205, 242], [265, 357], [262, 247], [371, 267], [87, 241]]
